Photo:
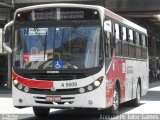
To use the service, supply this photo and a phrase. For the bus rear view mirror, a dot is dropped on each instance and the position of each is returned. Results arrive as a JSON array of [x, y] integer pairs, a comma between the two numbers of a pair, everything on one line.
[[7, 36]]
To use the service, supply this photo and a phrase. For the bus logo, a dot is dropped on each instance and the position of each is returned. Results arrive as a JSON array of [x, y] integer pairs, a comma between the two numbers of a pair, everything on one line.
[[53, 89]]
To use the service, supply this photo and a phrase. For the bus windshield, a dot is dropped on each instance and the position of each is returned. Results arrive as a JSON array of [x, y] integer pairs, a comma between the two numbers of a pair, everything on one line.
[[57, 48]]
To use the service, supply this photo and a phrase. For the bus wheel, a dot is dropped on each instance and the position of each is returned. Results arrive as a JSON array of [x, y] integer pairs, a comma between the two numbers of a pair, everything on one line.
[[41, 112], [116, 98], [135, 102]]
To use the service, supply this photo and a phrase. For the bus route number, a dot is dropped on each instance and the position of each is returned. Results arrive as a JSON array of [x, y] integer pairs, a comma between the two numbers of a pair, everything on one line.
[[69, 84]]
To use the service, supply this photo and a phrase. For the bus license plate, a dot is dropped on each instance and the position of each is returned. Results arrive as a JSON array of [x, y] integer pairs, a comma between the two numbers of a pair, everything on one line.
[[53, 98]]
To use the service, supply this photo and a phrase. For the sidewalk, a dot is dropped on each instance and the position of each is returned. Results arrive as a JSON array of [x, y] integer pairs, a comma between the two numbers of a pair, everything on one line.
[[154, 84]]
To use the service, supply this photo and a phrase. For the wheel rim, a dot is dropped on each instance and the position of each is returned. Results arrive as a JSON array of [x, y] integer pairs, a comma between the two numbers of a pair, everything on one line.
[[115, 100], [138, 94]]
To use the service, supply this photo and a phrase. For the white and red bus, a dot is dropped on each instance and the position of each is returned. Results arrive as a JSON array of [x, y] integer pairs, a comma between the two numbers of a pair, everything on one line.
[[76, 56]]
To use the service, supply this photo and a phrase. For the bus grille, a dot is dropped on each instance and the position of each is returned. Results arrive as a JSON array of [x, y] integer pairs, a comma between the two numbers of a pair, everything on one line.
[[53, 77], [57, 92]]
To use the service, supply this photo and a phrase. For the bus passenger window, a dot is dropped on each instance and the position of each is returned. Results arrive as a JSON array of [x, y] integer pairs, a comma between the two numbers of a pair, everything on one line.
[[131, 45], [107, 44], [137, 47], [144, 49], [131, 36], [107, 37], [117, 31], [124, 34], [137, 38], [118, 40], [143, 41], [125, 42], [108, 26], [140, 40], [120, 32], [134, 37], [146, 40]]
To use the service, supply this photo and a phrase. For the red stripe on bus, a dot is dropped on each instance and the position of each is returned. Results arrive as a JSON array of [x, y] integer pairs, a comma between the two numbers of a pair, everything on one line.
[[116, 71], [32, 83]]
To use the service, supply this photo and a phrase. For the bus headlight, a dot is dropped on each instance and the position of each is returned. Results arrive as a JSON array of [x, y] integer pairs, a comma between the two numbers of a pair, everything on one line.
[[20, 86], [90, 87], [15, 82], [97, 83], [94, 85], [81, 90], [26, 89]]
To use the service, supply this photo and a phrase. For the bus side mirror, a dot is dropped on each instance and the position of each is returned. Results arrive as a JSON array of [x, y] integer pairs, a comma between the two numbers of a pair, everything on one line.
[[7, 36], [113, 41]]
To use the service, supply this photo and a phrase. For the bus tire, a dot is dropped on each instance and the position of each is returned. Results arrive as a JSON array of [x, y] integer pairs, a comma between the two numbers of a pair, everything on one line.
[[136, 102], [114, 110], [41, 111]]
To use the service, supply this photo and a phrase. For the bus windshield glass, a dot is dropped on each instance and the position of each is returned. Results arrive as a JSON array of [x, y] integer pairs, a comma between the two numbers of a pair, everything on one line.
[[57, 48]]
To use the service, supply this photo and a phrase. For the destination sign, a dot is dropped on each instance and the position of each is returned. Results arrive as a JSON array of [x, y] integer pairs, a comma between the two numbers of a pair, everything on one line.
[[57, 14]]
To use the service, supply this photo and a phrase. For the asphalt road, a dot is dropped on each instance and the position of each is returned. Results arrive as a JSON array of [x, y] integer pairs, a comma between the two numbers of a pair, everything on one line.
[[150, 104]]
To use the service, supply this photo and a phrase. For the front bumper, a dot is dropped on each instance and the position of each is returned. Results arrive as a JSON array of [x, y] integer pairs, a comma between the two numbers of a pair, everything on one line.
[[92, 99]]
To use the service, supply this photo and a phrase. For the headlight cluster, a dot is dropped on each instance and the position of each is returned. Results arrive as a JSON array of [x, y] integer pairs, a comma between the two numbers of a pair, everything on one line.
[[20, 86], [92, 86], [81, 90]]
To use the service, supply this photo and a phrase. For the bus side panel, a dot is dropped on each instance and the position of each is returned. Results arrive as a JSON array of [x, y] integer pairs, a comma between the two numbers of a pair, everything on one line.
[[136, 70], [116, 73]]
